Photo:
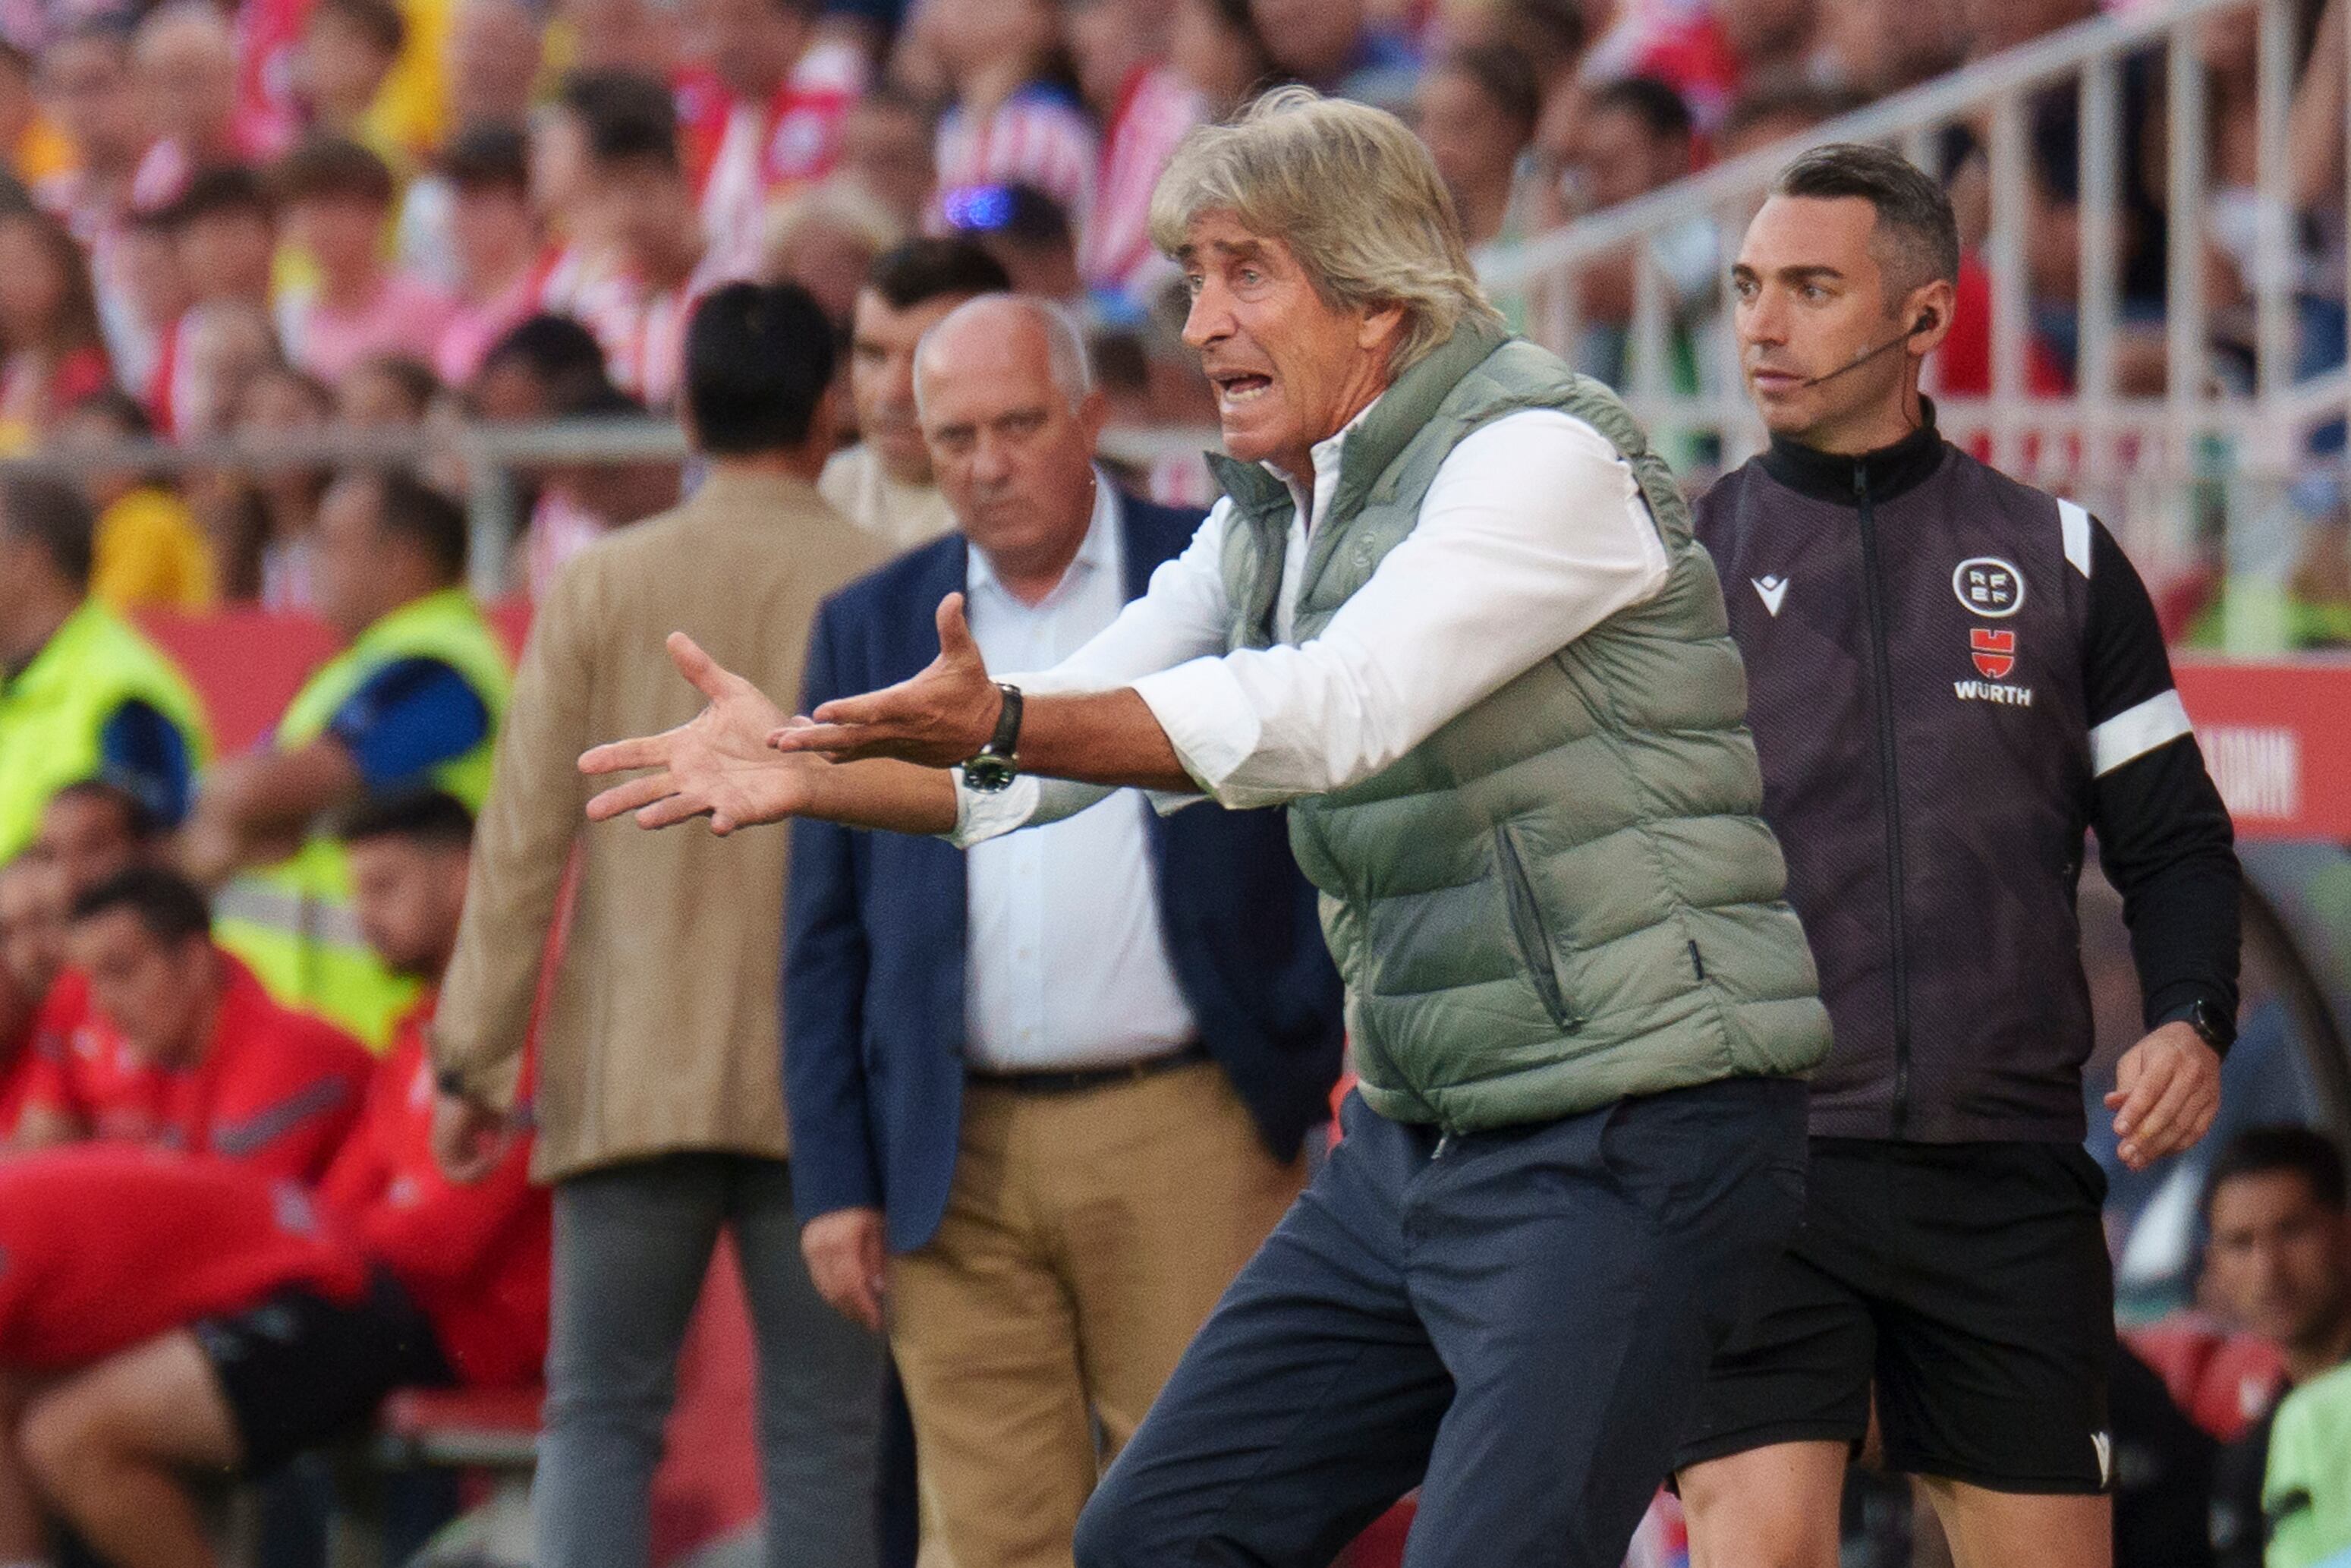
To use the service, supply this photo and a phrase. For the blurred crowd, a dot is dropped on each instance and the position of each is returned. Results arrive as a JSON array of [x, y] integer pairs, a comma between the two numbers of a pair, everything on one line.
[[297, 217]]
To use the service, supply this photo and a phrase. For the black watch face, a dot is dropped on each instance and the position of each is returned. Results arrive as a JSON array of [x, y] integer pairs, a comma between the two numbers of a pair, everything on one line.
[[989, 774]]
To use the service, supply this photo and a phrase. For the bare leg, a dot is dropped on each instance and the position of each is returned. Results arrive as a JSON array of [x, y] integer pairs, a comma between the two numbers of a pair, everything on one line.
[[111, 1449], [1775, 1506], [21, 1537], [1998, 1529]]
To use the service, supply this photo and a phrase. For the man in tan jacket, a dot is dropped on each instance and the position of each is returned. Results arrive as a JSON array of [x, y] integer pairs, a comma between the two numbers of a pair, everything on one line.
[[659, 1102]]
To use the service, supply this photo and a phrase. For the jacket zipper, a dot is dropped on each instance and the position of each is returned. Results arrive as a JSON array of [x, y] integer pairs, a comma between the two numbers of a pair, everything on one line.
[[1533, 935], [1889, 774]]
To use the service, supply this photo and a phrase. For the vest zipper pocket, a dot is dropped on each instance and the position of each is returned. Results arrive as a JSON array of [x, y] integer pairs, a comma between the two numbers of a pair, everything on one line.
[[1534, 939]]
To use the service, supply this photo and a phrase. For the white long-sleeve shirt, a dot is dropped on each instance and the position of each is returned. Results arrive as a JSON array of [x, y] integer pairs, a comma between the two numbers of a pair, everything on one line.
[[1532, 532]]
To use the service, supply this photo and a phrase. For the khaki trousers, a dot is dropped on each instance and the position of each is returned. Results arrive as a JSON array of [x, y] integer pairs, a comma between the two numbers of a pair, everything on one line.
[[1086, 1238]]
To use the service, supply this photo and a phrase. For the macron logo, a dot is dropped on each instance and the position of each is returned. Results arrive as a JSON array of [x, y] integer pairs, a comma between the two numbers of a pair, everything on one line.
[[1991, 692], [1772, 591]]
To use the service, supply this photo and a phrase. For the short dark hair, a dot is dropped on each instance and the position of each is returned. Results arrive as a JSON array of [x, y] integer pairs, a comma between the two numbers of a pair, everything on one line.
[[223, 190], [1914, 221], [626, 139], [1504, 74], [414, 511], [615, 92], [45, 510], [624, 114], [558, 352], [488, 158], [327, 168], [431, 817], [757, 360], [921, 270], [2281, 1148], [1660, 110], [377, 21], [140, 822], [171, 908]]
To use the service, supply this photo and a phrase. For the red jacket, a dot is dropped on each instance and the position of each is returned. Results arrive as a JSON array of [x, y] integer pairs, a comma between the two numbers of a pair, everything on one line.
[[272, 1089], [104, 1245], [475, 1257]]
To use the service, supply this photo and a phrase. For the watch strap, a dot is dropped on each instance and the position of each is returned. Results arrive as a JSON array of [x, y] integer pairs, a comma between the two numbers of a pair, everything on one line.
[[1006, 741]]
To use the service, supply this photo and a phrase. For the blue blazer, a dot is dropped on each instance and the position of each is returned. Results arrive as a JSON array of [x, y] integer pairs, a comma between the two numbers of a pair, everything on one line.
[[873, 974]]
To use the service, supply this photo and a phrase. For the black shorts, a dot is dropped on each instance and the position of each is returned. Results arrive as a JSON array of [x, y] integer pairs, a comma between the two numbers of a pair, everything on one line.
[[300, 1370], [1968, 1284]]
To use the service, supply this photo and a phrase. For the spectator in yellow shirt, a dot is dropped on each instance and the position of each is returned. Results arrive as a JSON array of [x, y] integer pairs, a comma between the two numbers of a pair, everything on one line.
[[150, 550]]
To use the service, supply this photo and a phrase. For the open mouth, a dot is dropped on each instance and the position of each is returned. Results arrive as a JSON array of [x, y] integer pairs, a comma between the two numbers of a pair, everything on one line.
[[1240, 386]]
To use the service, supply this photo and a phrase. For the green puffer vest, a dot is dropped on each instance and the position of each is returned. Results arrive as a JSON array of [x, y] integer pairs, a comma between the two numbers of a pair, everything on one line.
[[1565, 895]]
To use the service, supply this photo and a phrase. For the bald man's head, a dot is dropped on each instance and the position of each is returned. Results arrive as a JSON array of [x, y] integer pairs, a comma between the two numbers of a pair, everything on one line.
[[995, 325], [1012, 417]]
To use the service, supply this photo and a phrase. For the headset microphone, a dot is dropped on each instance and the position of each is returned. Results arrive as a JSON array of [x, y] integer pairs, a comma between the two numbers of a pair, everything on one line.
[[1926, 321]]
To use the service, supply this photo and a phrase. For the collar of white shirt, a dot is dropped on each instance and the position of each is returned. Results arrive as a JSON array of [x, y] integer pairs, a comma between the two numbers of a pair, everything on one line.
[[1326, 456], [1098, 552]]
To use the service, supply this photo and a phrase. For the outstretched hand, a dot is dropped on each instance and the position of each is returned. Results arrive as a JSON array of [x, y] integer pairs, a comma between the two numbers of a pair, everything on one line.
[[939, 718], [717, 764]]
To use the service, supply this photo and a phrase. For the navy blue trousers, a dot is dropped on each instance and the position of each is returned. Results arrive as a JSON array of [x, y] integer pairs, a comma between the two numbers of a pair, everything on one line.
[[1517, 1322]]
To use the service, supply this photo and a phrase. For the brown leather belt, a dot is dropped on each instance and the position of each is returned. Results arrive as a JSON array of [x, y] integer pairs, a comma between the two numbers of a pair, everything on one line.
[[1077, 1080]]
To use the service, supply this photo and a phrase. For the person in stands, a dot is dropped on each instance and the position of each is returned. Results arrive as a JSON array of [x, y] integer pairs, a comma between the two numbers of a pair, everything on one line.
[[337, 196], [184, 1049], [640, 201], [761, 114], [415, 696], [149, 546], [456, 1275], [82, 694]]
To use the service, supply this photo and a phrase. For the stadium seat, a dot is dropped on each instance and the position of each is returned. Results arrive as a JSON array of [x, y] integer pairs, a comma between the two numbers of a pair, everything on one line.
[[2224, 1381]]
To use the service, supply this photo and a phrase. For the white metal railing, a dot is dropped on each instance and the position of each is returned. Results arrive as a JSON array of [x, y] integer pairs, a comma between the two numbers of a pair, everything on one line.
[[2128, 453], [490, 459]]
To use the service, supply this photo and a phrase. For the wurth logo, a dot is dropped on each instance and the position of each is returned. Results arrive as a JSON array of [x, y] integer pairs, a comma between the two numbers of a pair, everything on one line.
[[1994, 651], [1991, 692]]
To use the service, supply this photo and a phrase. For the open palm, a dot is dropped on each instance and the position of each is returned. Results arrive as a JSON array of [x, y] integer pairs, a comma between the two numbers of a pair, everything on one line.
[[717, 764]]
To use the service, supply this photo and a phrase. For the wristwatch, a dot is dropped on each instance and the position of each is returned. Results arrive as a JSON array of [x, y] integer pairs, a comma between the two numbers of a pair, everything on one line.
[[998, 762], [2212, 1025]]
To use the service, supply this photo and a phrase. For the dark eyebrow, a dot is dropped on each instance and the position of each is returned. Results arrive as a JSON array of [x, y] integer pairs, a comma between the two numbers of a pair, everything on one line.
[[1812, 273]]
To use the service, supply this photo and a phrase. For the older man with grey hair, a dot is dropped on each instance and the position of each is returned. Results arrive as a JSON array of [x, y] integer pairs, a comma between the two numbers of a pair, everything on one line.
[[1063, 1078], [1451, 613]]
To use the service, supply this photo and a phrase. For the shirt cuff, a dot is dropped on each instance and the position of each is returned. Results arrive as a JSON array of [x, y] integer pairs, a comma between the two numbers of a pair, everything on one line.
[[1208, 720], [985, 814]]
